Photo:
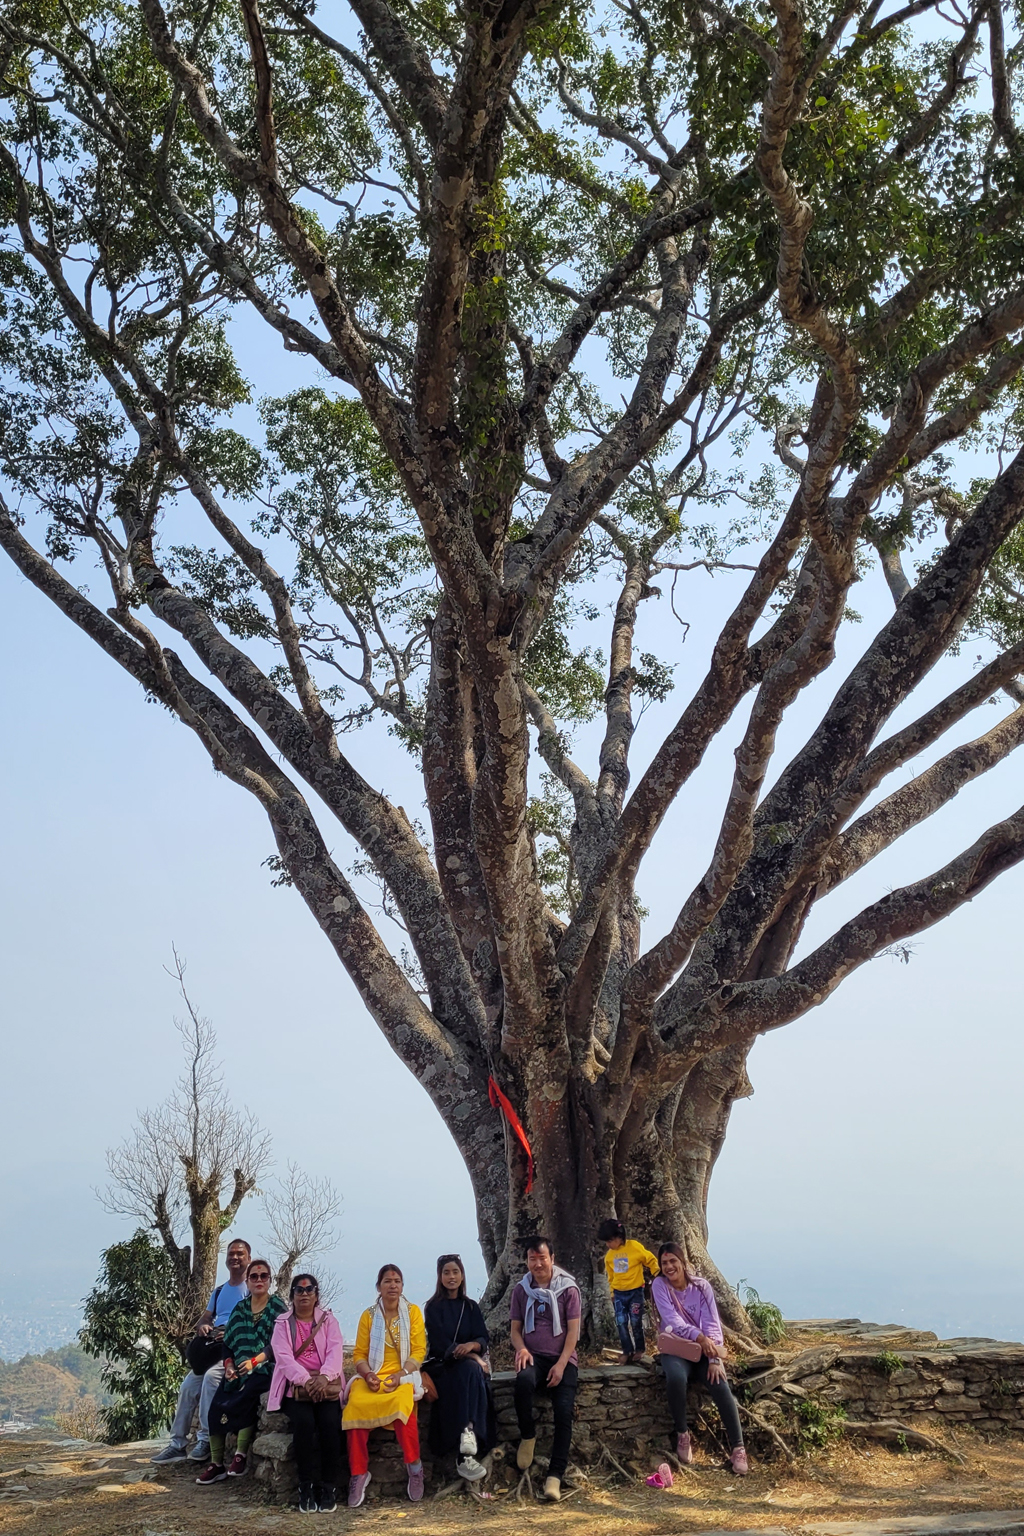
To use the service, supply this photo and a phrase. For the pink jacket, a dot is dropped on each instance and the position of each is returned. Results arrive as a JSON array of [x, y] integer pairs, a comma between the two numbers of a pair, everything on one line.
[[327, 1346]]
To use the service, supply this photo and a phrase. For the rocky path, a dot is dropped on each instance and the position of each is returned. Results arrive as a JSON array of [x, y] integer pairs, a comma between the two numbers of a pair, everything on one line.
[[49, 1488]]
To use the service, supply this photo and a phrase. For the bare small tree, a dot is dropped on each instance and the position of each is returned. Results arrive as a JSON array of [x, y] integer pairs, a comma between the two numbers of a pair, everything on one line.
[[191, 1162], [301, 1211]]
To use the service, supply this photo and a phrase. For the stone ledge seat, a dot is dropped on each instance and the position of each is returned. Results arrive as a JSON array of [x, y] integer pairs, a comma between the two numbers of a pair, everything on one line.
[[974, 1382]]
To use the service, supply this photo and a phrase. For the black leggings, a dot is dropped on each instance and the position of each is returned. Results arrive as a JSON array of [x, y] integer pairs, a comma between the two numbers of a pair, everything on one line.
[[316, 1439], [678, 1375]]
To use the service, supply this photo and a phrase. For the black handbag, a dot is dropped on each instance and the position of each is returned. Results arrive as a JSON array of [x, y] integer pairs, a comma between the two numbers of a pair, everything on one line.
[[236, 1404], [202, 1352]]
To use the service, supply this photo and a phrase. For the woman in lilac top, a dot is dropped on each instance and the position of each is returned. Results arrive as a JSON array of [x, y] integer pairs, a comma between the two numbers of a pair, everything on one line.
[[687, 1309]]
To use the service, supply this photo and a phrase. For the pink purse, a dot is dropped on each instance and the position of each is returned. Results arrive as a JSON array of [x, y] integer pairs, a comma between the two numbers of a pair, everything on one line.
[[685, 1349]]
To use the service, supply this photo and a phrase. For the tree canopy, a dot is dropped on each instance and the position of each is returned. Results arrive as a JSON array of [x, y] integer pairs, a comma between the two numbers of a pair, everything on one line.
[[588, 295]]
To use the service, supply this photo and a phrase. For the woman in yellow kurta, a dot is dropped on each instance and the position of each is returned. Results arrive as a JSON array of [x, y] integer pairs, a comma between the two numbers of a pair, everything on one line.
[[391, 1342]]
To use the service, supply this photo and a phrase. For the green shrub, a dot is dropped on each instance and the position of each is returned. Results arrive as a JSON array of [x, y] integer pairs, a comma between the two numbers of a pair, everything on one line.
[[889, 1363], [765, 1315], [819, 1425], [131, 1318]]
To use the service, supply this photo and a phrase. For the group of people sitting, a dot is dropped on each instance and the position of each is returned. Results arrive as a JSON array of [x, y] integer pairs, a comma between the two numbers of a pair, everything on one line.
[[250, 1341]]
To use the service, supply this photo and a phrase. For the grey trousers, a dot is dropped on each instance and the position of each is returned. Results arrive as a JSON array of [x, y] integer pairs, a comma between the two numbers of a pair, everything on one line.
[[678, 1375], [195, 1389]]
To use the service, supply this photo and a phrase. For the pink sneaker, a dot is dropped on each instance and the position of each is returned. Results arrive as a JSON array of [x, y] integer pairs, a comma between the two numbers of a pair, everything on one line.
[[357, 1485], [739, 1462], [684, 1450], [415, 1484]]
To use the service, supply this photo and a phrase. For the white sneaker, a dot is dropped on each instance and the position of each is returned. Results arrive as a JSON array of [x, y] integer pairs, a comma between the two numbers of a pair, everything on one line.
[[470, 1469], [467, 1443]]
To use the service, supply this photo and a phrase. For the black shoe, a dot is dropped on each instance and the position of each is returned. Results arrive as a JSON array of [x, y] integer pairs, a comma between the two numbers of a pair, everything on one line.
[[307, 1500], [326, 1499]]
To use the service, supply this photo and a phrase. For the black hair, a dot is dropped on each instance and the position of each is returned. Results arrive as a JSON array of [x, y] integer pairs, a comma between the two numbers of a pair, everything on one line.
[[297, 1278], [242, 1241], [252, 1265], [386, 1269], [440, 1294], [536, 1243], [610, 1228], [679, 1252]]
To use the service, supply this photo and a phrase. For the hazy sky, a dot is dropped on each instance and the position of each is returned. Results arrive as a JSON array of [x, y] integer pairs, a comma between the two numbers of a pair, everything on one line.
[[874, 1172]]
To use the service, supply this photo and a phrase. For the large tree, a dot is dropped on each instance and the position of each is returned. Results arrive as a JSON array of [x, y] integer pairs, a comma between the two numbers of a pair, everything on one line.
[[588, 294]]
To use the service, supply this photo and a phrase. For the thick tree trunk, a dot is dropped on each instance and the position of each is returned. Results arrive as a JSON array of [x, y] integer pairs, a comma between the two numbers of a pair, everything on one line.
[[655, 1180]]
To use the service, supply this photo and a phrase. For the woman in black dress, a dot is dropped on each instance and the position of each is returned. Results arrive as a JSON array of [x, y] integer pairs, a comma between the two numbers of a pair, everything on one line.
[[462, 1419]]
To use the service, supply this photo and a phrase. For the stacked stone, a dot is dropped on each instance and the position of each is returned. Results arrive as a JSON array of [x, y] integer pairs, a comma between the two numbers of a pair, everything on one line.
[[621, 1407], [625, 1409], [979, 1384], [616, 1406]]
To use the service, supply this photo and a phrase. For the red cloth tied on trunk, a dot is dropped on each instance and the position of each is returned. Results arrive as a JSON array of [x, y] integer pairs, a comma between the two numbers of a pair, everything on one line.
[[499, 1100]]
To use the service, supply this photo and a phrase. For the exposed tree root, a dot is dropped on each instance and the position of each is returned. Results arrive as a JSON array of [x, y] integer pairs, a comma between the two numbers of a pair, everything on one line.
[[895, 1433], [446, 1489], [615, 1463], [526, 1481], [762, 1424]]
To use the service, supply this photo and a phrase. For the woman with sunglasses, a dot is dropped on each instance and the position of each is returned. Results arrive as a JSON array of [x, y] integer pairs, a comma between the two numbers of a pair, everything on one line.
[[308, 1383], [248, 1362], [462, 1418], [391, 1342]]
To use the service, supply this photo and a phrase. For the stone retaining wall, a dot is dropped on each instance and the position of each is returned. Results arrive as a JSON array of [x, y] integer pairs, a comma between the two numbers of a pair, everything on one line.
[[624, 1409], [979, 1384], [621, 1407]]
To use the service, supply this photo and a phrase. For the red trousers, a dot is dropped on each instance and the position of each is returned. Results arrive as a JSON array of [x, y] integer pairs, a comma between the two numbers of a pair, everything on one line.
[[407, 1435]]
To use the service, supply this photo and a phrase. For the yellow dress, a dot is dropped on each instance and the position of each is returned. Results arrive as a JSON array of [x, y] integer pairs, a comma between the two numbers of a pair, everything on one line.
[[368, 1410]]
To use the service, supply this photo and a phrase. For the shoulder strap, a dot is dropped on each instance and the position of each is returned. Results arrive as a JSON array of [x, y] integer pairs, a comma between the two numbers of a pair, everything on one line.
[[312, 1334], [683, 1310]]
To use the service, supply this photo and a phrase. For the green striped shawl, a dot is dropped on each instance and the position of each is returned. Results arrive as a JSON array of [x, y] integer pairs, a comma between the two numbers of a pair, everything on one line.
[[246, 1335]]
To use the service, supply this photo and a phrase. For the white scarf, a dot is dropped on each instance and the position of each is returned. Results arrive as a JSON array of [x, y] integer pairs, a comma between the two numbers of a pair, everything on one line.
[[561, 1280], [378, 1342]]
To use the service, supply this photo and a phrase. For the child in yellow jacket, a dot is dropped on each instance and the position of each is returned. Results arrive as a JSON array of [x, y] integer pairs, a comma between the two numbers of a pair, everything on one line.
[[625, 1262]]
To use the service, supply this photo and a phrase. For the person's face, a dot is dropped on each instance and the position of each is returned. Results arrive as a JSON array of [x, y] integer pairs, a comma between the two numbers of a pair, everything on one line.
[[237, 1258], [258, 1281], [674, 1270], [451, 1276], [304, 1298], [541, 1264], [390, 1288]]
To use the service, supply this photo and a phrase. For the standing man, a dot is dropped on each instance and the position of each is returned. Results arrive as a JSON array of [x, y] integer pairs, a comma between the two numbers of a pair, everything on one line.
[[201, 1388], [546, 1310]]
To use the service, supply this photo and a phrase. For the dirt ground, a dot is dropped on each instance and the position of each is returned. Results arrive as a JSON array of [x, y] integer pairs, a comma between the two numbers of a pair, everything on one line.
[[45, 1491]]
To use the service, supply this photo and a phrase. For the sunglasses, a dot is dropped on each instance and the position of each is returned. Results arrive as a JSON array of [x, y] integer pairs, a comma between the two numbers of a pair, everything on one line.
[[304, 1290], [260, 1274]]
